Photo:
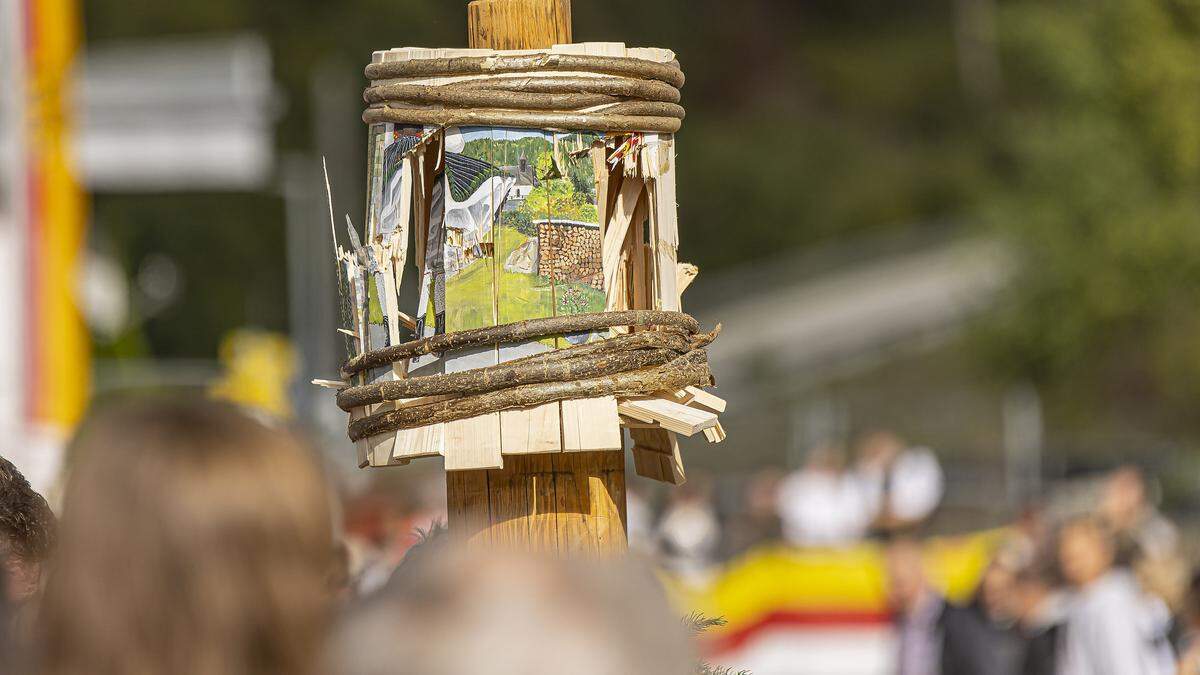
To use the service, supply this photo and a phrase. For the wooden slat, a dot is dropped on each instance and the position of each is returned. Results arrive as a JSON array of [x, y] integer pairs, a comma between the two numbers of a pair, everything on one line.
[[656, 455], [664, 217], [669, 414], [591, 424], [532, 430]]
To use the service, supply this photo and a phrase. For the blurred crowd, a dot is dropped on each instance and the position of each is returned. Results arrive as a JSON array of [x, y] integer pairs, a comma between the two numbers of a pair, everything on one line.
[[198, 539], [1099, 588], [890, 487]]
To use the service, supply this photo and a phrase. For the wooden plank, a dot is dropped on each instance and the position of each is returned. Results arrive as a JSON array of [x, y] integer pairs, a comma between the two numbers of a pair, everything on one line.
[[587, 424], [671, 415], [664, 218], [469, 260], [590, 425], [617, 231], [716, 434], [698, 398], [656, 455], [521, 292], [685, 274]]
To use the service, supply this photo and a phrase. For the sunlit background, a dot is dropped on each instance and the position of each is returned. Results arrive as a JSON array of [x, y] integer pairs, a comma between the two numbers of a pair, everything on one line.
[[970, 223]]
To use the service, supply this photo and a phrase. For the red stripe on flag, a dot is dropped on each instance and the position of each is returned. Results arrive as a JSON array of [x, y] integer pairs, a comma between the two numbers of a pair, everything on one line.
[[731, 640]]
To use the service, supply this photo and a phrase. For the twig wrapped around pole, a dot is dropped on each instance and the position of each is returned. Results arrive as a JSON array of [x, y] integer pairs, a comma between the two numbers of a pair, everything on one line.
[[691, 369], [530, 329], [538, 91], [619, 354], [524, 63]]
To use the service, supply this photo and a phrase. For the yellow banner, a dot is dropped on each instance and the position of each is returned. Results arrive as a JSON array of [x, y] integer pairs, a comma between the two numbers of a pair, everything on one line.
[[56, 340]]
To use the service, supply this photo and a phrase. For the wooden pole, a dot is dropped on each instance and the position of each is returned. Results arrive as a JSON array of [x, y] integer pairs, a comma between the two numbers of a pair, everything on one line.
[[518, 24], [570, 503]]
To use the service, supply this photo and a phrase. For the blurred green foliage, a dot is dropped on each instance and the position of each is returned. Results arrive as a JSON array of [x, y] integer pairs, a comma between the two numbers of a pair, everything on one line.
[[1097, 183]]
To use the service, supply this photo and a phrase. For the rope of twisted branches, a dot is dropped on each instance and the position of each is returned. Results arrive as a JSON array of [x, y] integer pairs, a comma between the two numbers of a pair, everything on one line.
[[668, 355], [592, 93]]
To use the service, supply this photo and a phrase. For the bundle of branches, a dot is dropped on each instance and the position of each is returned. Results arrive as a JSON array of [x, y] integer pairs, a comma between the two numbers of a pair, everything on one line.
[[668, 355], [552, 91]]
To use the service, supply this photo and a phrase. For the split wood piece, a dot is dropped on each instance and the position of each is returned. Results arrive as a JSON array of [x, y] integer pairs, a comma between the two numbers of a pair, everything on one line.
[[531, 431], [658, 158], [669, 414], [716, 434], [593, 424], [685, 274], [690, 369], [656, 455], [518, 331], [590, 424], [495, 64], [698, 398], [619, 224], [473, 442]]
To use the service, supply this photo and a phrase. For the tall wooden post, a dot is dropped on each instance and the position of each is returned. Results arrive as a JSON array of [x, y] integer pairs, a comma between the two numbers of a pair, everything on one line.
[[562, 502]]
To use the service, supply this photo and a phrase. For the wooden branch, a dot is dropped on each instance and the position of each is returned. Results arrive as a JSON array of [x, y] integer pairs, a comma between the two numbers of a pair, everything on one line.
[[505, 375], [516, 332], [689, 369]]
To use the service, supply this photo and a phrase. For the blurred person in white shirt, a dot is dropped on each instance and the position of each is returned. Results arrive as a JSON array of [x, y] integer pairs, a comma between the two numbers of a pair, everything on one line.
[[902, 484], [822, 504], [1113, 627]]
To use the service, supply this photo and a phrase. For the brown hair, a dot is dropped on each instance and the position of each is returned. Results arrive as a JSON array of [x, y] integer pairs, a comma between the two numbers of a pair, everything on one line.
[[195, 541], [26, 522]]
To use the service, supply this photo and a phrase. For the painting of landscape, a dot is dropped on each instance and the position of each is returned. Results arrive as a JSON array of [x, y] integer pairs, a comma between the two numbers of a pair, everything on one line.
[[522, 237]]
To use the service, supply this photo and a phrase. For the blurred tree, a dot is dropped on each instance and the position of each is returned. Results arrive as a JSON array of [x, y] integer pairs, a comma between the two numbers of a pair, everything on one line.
[[1098, 169]]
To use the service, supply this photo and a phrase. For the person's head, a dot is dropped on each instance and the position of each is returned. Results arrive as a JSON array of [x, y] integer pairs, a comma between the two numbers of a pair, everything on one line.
[[194, 540], [825, 458], [1034, 583], [1086, 551], [451, 611], [907, 584], [998, 583], [879, 448], [27, 531], [1123, 497]]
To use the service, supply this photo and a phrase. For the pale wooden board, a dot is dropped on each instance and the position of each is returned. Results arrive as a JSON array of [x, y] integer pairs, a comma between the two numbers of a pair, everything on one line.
[[659, 159], [591, 424], [615, 235], [669, 414], [698, 398], [529, 430], [473, 443]]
